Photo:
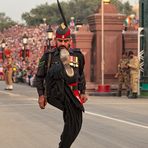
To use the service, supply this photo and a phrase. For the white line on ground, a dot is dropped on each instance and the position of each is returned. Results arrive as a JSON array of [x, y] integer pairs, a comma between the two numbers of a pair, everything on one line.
[[122, 103], [117, 120], [87, 112], [9, 105], [18, 95], [9, 93]]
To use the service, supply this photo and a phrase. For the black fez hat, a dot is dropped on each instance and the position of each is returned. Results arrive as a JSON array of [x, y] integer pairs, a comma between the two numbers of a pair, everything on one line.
[[63, 31]]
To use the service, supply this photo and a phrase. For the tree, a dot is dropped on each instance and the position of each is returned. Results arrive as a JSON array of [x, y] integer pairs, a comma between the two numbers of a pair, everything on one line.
[[5, 22], [79, 9], [127, 8], [37, 15]]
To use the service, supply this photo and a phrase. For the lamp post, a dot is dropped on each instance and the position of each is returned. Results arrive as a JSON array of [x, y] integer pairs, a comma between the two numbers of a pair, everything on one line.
[[72, 24], [25, 42], [3, 45], [44, 20], [49, 37], [78, 25]]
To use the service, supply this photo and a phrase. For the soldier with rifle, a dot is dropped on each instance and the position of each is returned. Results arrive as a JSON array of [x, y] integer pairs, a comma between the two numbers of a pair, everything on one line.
[[123, 75], [60, 81]]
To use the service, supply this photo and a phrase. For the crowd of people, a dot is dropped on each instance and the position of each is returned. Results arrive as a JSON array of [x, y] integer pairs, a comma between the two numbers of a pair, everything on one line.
[[58, 72], [24, 69]]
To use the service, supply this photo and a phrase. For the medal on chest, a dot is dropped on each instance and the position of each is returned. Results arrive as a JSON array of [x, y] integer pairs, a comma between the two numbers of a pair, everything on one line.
[[74, 61]]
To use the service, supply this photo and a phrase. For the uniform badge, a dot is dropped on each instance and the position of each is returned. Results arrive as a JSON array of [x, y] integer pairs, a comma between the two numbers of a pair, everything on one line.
[[74, 61]]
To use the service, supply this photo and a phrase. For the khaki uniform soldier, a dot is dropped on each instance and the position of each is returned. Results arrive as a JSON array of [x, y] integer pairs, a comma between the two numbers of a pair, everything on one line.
[[134, 66], [123, 75], [8, 70]]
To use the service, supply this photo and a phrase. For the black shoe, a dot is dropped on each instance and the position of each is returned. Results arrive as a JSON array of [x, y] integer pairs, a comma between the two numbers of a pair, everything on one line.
[[10, 89], [134, 96]]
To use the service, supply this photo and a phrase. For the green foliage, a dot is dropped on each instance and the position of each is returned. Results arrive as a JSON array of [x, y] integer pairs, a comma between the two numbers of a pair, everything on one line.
[[5, 22], [124, 8], [79, 9], [127, 8], [83, 8]]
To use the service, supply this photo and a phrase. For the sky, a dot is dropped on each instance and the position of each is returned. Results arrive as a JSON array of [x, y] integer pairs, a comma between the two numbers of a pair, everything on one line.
[[15, 8]]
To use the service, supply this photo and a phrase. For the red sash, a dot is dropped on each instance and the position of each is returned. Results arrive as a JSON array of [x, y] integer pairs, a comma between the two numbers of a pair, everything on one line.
[[75, 90]]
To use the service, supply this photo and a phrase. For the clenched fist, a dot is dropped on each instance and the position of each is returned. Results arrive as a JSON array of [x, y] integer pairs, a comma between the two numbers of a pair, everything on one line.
[[42, 102]]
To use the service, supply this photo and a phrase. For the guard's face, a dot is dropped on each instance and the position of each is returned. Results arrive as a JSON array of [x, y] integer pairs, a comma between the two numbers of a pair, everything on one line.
[[63, 42]]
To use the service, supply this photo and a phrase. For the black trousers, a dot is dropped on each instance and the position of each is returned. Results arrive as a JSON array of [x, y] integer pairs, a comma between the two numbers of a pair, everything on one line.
[[72, 116], [72, 124]]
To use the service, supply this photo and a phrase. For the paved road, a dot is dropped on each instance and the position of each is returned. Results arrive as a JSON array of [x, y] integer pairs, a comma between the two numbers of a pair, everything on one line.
[[109, 122]]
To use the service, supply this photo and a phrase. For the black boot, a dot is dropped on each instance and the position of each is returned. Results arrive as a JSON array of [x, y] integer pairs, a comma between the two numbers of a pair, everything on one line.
[[135, 95]]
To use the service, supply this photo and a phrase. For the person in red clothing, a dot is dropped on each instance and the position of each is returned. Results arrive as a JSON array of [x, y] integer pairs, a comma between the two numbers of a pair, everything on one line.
[[8, 70]]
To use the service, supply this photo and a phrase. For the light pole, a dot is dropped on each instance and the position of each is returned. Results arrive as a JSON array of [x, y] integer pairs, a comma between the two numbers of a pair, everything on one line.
[[44, 20], [78, 25], [72, 24], [49, 37], [102, 42], [3, 45], [25, 42]]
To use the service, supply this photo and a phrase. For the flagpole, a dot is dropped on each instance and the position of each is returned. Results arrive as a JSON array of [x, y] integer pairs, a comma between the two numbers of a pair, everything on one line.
[[105, 88], [102, 41]]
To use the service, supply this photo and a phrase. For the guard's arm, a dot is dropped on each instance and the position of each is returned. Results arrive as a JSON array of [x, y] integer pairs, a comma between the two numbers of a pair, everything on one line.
[[82, 81], [40, 75], [134, 65]]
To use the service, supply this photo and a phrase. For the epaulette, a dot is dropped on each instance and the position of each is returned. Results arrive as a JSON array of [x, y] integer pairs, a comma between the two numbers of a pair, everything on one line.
[[76, 49]]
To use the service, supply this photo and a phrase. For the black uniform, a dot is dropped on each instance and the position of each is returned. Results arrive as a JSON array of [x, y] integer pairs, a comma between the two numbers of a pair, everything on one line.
[[55, 83]]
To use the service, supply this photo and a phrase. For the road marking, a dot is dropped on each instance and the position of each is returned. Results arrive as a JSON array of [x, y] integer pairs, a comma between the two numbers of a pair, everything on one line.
[[122, 103], [19, 95], [7, 105], [35, 99], [87, 112], [9, 93], [115, 119], [26, 104]]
